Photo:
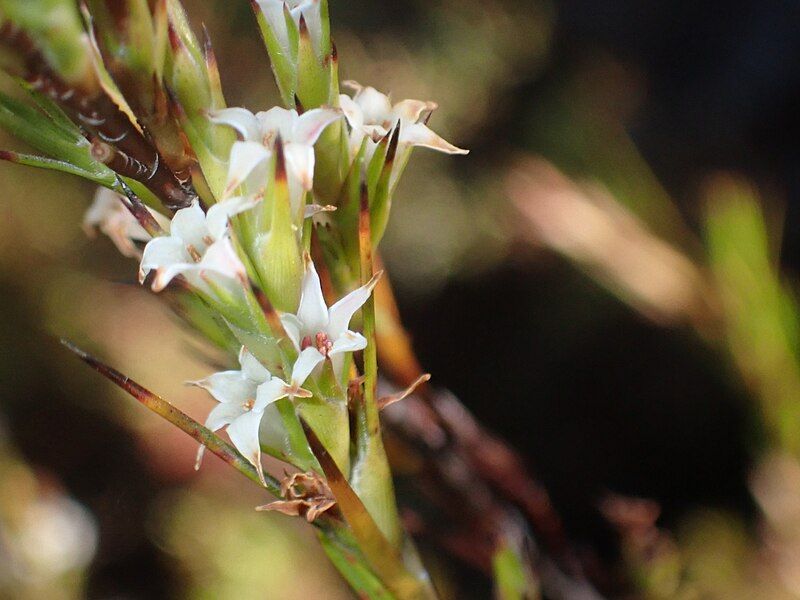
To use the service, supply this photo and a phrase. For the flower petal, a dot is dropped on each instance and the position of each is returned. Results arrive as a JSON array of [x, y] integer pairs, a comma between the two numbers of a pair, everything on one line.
[[189, 224], [417, 134], [413, 110], [223, 414], [314, 209], [274, 122], [352, 111], [165, 275], [269, 392], [292, 326], [229, 387], [219, 214], [221, 258], [349, 341], [243, 433], [163, 252], [376, 107], [313, 312], [310, 125], [252, 368], [340, 313], [245, 157], [242, 120], [310, 10], [273, 11], [304, 365], [300, 161]]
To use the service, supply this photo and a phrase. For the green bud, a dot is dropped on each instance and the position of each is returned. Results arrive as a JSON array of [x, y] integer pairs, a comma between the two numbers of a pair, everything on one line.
[[278, 253], [57, 28], [313, 72], [193, 77]]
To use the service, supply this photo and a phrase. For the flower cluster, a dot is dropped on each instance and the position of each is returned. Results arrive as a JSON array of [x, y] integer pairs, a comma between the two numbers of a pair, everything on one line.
[[198, 246], [222, 207]]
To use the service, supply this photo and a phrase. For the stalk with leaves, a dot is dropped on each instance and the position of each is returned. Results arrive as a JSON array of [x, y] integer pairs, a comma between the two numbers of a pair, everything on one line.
[[263, 227]]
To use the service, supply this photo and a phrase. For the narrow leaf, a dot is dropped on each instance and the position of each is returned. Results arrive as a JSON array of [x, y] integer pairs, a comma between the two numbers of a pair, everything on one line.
[[184, 422], [382, 556]]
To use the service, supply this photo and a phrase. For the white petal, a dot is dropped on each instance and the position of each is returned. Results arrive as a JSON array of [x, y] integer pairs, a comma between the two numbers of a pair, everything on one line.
[[300, 162], [220, 415], [349, 341], [106, 202], [413, 110], [242, 120], [221, 258], [163, 252], [252, 368], [305, 364], [273, 11], [219, 214], [230, 387], [244, 435], [223, 414], [310, 10], [417, 134], [352, 112], [313, 313], [108, 214], [353, 85], [245, 158], [276, 121], [269, 392], [165, 275], [293, 327], [314, 209], [340, 313], [377, 107], [189, 224], [310, 125]]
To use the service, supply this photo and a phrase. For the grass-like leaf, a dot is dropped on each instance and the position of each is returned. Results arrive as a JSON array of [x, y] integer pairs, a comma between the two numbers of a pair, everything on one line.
[[182, 421], [382, 556]]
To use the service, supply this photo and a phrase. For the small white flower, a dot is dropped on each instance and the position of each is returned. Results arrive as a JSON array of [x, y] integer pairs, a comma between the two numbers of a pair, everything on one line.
[[322, 332], [198, 248], [243, 396], [309, 9], [372, 115], [108, 214], [259, 133]]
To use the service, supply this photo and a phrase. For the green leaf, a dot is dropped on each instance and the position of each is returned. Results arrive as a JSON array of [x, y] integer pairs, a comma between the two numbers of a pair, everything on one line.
[[761, 316], [313, 75], [383, 557], [185, 423], [58, 117], [283, 63], [352, 568], [511, 576]]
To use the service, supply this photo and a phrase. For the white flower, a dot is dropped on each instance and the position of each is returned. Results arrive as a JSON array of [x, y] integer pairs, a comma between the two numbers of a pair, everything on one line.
[[372, 115], [198, 248], [108, 214], [323, 332], [309, 9], [244, 395], [259, 133]]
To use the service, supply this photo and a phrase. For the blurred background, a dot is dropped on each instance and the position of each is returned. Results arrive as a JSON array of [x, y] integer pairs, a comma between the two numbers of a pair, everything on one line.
[[617, 253]]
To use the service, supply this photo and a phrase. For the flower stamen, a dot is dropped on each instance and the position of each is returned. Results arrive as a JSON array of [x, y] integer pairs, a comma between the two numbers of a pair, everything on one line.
[[194, 253]]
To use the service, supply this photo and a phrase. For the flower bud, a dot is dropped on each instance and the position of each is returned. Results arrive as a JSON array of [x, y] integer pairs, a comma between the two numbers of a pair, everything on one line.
[[58, 30], [279, 257], [192, 76]]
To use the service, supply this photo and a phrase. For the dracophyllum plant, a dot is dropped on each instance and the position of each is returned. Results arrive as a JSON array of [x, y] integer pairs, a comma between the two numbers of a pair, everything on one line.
[[224, 209]]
